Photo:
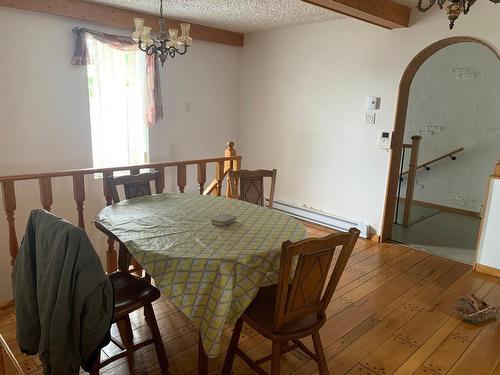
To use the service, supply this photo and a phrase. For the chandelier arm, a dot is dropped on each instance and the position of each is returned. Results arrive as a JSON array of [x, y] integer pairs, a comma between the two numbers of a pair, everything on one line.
[[183, 51], [151, 50], [441, 3], [425, 8]]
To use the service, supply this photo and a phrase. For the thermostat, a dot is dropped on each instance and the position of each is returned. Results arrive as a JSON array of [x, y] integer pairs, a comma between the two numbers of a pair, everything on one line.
[[384, 140]]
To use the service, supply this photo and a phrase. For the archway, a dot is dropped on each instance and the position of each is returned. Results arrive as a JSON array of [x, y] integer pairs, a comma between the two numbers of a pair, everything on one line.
[[400, 122]]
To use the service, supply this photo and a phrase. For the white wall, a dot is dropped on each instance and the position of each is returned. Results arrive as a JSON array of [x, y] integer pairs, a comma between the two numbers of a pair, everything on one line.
[[450, 113], [302, 98], [44, 114]]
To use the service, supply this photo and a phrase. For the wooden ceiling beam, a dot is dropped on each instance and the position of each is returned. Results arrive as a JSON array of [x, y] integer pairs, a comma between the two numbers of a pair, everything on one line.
[[384, 13], [117, 17]]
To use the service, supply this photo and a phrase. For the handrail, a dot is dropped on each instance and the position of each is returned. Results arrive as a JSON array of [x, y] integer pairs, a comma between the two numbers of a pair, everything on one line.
[[223, 164], [71, 172], [426, 165]]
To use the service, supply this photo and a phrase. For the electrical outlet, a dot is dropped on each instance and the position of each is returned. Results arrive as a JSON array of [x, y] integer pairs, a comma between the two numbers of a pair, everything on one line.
[[370, 118]]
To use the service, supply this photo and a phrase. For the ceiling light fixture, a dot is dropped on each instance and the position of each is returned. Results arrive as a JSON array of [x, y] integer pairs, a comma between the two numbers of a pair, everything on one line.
[[165, 44], [453, 10]]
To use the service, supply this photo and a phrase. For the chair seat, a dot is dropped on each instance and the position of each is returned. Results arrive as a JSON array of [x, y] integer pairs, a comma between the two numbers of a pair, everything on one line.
[[260, 316], [131, 293]]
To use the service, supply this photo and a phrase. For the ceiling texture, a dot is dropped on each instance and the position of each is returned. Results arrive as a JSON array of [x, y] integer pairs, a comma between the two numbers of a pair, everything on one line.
[[236, 15]]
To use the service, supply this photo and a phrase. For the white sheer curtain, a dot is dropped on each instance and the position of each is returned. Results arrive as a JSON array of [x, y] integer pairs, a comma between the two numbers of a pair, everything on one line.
[[117, 89]]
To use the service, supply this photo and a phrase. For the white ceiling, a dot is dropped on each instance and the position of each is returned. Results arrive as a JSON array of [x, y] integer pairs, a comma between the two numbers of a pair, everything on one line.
[[236, 15]]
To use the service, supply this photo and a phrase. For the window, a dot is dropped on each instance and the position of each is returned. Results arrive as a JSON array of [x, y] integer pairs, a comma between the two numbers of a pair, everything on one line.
[[117, 84]]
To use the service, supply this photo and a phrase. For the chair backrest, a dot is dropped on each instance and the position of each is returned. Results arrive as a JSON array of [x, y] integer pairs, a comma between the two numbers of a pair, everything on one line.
[[134, 186], [306, 293], [8, 363], [251, 185]]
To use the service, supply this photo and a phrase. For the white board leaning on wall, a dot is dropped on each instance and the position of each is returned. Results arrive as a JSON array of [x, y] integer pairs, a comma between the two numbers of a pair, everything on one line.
[[489, 244]]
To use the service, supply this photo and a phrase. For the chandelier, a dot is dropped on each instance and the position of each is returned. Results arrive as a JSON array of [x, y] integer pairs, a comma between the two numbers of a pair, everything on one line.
[[453, 10], [165, 44]]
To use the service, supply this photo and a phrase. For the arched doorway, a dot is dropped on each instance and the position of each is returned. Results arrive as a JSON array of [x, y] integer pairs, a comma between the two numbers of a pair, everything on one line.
[[401, 119]]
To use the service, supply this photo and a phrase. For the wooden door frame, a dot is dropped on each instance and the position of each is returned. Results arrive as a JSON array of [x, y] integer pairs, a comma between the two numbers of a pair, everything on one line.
[[400, 121]]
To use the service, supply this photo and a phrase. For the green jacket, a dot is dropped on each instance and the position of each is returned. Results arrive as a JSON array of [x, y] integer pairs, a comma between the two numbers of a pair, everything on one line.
[[64, 299]]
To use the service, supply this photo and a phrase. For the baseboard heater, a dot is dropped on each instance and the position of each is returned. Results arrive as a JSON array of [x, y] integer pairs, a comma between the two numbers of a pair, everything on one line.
[[320, 218]]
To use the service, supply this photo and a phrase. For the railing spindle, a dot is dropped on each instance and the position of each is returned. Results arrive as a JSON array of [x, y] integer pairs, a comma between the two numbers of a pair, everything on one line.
[[160, 184], [9, 205], [236, 167], [219, 177], [181, 177], [46, 199], [202, 176], [79, 196], [111, 261]]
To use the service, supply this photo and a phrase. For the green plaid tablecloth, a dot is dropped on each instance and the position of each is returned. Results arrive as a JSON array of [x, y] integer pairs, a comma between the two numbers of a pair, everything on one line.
[[210, 273]]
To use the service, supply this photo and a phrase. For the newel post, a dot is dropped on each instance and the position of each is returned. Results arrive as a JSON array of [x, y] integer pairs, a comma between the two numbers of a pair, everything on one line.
[[231, 165], [9, 205], [412, 174]]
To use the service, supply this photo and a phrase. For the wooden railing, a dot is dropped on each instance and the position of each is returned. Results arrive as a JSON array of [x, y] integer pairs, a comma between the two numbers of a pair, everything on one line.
[[414, 147], [426, 165], [230, 161]]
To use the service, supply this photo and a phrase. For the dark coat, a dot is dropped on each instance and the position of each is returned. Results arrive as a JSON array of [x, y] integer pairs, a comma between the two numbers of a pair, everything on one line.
[[64, 299]]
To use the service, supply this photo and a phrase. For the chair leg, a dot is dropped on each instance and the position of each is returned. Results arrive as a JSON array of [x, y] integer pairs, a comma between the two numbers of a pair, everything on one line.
[[202, 358], [235, 338], [276, 359], [155, 331], [125, 330], [127, 336], [95, 365], [320, 354]]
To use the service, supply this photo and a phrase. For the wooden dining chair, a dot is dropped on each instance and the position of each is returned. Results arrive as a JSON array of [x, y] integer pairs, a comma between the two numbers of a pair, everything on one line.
[[134, 186], [8, 362], [295, 307], [251, 185], [131, 294], [137, 185]]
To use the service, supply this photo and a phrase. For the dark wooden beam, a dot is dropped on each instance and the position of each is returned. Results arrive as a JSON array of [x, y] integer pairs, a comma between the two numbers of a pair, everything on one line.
[[384, 13], [117, 17]]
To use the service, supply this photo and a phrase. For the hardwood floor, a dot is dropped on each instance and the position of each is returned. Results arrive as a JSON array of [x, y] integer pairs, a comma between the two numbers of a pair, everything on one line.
[[391, 314]]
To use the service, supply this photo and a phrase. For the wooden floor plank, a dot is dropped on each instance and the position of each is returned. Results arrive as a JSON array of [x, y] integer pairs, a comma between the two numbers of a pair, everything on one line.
[[447, 354]]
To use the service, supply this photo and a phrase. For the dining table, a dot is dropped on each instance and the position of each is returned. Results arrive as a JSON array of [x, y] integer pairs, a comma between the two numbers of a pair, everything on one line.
[[211, 273]]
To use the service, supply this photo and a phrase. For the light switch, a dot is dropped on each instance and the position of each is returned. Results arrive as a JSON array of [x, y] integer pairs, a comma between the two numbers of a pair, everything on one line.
[[370, 118]]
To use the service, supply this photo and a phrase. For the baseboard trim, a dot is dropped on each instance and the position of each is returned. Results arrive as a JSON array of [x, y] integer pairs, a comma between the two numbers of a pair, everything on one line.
[[439, 207], [320, 218], [487, 270]]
